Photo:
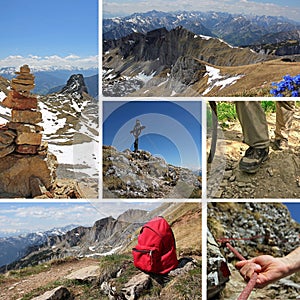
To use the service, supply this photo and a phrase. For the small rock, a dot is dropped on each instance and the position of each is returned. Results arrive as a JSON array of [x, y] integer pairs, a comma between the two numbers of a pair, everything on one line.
[[59, 293], [218, 194], [270, 171], [241, 184], [227, 174], [136, 285], [232, 178], [90, 273], [298, 181]]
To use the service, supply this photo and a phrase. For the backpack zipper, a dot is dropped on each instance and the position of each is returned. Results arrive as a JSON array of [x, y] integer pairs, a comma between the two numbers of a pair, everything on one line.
[[146, 251]]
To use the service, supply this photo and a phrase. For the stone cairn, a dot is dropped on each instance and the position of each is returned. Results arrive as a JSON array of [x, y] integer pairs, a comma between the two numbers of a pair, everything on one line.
[[22, 137], [22, 134]]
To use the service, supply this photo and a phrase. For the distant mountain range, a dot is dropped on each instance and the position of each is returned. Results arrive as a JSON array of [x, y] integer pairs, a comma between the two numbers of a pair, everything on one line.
[[50, 81], [13, 248], [104, 236], [235, 29]]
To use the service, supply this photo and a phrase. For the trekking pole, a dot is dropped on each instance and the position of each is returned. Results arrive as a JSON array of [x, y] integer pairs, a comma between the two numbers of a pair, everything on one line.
[[213, 106]]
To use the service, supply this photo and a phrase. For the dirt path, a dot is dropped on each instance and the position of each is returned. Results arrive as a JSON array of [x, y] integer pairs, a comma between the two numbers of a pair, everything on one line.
[[277, 178], [13, 288]]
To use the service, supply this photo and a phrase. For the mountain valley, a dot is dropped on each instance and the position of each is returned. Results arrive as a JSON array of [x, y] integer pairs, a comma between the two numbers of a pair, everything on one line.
[[107, 246], [180, 61]]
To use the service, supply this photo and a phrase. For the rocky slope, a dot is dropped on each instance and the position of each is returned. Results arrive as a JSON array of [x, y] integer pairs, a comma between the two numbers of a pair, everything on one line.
[[173, 60], [91, 83], [179, 63], [255, 229], [114, 276], [288, 47], [140, 175]]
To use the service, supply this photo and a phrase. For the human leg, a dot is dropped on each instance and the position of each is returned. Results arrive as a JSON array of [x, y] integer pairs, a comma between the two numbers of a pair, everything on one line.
[[284, 119], [255, 131]]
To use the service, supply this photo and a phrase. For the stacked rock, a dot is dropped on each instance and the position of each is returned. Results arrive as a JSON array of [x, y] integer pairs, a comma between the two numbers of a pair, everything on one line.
[[27, 169], [24, 115], [7, 137]]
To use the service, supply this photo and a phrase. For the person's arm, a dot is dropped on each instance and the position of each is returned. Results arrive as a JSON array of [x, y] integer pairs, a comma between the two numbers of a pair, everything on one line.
[[269, 268]]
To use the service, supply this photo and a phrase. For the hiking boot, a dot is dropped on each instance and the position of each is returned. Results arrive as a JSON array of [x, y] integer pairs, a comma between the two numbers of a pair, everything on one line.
[[280, 144], [253, 159]]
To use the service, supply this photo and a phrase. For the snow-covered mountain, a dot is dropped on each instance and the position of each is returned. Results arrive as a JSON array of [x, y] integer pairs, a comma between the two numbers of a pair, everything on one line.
[[14, 247], [236, 29], [70, 122], [107, 235]]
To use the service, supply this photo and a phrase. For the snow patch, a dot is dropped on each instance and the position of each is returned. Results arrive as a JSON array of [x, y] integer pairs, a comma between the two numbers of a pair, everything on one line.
[[2, 96], [205, 37], [145, 78], [112, 251], [83, 157], [51, 122], [215, 79]]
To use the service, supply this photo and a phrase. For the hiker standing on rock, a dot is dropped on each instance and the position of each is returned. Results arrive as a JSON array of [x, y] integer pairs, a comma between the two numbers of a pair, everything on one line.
[[255, 130], [269, 268]]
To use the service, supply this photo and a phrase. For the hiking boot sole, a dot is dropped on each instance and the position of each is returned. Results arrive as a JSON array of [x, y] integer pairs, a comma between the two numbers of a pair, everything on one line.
[[252, 169]]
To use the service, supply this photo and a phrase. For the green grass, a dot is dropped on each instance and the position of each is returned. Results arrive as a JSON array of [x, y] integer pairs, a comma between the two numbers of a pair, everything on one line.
[[189, 286], [28, 271], [227, 112], [268, 106]]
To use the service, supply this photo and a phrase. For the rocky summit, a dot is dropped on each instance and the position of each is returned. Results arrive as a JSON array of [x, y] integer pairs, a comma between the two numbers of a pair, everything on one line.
[[253, 229], [75, 86], [130, 174]]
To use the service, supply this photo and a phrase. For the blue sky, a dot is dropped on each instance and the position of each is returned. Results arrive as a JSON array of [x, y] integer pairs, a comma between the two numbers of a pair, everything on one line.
[[173, 129], [287, 8], [17, 218], [35, 28], [294, 209]]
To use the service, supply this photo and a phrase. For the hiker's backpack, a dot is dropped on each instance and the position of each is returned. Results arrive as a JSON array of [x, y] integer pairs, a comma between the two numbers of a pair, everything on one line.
[[156, 248]]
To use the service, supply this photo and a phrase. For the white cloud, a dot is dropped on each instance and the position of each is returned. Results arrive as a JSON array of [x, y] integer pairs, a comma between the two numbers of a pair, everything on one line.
[[115, 8], [30, 218], [50, 62]]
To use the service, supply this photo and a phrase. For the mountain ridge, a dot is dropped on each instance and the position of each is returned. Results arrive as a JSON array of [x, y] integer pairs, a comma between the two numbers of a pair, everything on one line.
[[14, 247], [112, 274], [236, 29], [192, 66], [105, 235], [46, 79]]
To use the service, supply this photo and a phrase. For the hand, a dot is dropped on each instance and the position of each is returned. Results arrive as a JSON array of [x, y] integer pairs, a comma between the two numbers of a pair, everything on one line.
[[269, 269]]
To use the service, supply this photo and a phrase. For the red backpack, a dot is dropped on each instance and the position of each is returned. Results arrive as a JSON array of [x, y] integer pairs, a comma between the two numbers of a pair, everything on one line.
[[156, 249]]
